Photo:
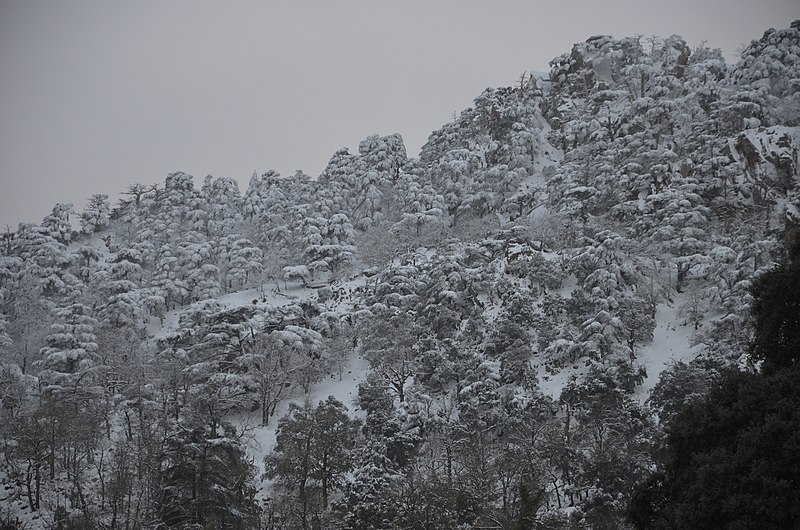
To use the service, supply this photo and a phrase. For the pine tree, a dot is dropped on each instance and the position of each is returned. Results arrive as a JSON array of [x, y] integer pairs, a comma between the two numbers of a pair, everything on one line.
[[58, 223], [70, 369], [206, 481], [729, 458], [95, 216], [312, 452], [776, 313]]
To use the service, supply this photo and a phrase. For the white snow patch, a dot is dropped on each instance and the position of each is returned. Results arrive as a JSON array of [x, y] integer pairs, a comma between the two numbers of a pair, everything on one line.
[[262, 438], [552, 384], [670, 344]]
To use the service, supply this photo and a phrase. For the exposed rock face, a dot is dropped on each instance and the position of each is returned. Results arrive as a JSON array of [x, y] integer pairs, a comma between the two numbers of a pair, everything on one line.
[[769, 158]]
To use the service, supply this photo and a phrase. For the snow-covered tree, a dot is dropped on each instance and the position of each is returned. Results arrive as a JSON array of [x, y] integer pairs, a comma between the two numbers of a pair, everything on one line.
[[70, 369], [58, 223], [95, 216]]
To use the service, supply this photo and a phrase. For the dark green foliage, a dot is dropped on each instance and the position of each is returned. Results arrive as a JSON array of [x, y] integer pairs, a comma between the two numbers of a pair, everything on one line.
[[530, 500], [776, 316], [731, 460], [206, 482], [63, 520], [312, 454], [681, 384]]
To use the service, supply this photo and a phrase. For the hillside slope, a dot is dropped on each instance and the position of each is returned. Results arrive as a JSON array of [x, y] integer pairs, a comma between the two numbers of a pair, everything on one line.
[[504, 323]]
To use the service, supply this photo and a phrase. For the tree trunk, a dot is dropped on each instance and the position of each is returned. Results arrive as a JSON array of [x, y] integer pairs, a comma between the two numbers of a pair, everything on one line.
[[325, 480], [28, 486], [128, 429], [305, 504], [558, 495], [38, 478], [102, 479]]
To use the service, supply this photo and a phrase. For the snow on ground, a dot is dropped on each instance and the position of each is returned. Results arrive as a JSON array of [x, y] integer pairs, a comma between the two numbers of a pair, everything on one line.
[[261, 438], [271, 294], [96, 241], [156, 329], [567, 286], [670, 344], [545, 154], [553, 384], [14, 504]]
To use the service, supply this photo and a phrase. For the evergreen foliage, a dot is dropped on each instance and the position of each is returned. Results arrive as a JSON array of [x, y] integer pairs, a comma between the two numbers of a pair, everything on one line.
[[205, 482], [730, 460], [555, 285], [776, 313]]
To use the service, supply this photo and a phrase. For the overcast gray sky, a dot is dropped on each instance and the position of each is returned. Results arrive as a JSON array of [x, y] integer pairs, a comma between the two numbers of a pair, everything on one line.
[[96, 95]]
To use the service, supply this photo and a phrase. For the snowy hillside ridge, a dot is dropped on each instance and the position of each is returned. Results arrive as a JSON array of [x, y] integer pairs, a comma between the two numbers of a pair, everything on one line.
[[492, 335]]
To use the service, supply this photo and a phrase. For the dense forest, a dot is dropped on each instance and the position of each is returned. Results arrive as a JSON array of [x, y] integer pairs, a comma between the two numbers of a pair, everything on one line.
[[577, 308]]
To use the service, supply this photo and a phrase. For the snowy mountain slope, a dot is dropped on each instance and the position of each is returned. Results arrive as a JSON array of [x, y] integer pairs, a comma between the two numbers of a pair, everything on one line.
[[514, 311]]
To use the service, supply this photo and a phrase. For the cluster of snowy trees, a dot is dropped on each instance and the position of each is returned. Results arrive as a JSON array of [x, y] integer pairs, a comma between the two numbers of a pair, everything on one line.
[[511, 280]]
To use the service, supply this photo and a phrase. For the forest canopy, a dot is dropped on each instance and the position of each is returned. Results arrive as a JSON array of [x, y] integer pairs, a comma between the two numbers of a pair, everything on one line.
[[576, 308]]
